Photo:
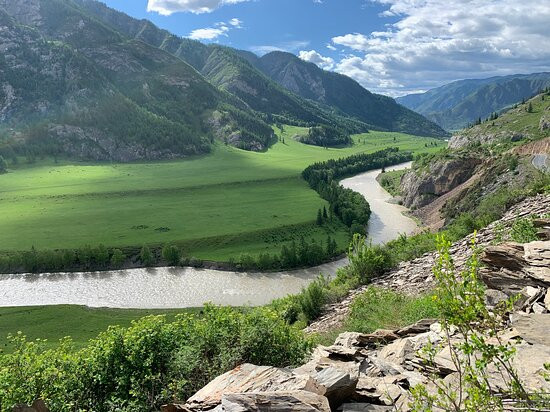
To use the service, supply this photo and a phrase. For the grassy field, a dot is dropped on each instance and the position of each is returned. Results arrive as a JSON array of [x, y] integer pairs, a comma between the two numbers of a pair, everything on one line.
[[215, 206], [78, 322]]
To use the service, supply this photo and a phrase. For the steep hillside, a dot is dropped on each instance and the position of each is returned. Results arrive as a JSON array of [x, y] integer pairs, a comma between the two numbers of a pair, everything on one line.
[[264, 83], [457, 104], [67, 89], [226, 69], [497, 160], [345, 94], [524, 122]]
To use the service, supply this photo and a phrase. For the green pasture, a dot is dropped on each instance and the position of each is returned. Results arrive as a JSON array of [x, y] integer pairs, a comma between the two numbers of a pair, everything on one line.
[[56, 322], [217, 206]]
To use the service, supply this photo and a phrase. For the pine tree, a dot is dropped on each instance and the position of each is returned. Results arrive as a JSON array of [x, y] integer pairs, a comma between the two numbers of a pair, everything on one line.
[[325, 215], [146, 256], [530, 108], [319, 217]]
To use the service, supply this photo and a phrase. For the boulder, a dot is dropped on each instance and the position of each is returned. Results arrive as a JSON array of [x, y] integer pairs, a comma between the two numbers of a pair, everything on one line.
[[398, 351], [493, 297], [279, 401], [534, 328], [174, 407], [419, 327], [249, 378], [513, 266], [361, 340], [364, 407], [544, 123], [382, 389], [339, 385]]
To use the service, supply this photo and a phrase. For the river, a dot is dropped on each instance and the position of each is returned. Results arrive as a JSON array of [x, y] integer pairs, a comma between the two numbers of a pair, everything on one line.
[[163, 288]]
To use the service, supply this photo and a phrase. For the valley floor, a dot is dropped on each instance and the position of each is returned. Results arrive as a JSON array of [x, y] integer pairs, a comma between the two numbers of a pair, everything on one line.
[[216, 206]]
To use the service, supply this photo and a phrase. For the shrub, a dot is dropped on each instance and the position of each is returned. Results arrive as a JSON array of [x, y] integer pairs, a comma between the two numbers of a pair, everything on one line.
[[312, 298], [171, 254], [150, 363], [118, 258], [146, 256], [380, 308], [523, 231], [365, 260]]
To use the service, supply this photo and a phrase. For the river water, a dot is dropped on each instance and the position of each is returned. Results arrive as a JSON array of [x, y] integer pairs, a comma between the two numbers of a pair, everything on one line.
[[163, 288]]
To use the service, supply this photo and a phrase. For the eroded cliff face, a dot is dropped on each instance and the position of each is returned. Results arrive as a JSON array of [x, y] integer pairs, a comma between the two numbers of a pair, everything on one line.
[[421, 187]]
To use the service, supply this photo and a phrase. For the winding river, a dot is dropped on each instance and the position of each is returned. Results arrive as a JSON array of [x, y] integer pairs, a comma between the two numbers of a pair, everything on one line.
[[162, 288]]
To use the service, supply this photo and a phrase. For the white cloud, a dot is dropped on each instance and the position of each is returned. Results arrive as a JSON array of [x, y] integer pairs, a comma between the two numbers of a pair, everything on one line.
[[290, 46], [219, 29], [437, 41], [167, 7], [313, 57], [236, 23]]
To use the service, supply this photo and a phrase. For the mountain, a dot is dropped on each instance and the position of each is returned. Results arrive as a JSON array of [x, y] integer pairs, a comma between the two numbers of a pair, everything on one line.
[[336, 90], [457, 104], [278, 83], [226, 69], [81, 79], [70, 84]]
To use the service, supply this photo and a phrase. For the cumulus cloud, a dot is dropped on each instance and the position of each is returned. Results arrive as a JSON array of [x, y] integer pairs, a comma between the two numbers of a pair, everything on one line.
[[437, 41], [312, 56], [219, 29], [167, 7]]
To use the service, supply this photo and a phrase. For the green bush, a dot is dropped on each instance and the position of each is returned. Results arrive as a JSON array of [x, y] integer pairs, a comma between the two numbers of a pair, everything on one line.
[[313, 298], [523, 231], [150, 363], [171, 254], [380, 308]]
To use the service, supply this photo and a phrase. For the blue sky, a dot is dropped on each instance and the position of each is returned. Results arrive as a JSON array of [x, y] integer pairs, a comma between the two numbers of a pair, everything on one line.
[[390, 46]]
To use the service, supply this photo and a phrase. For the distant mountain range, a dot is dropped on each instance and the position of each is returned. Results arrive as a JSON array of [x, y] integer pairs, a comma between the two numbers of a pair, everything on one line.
[[457, 104], [79, 78]]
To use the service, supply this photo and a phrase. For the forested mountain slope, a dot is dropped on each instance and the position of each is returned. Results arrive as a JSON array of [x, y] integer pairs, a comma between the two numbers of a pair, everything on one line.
[[264, 83], [342, 92], [72, 85]]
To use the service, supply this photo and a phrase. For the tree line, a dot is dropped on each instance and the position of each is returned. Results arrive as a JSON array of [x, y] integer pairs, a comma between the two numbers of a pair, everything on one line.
[[93, 258], [351, 207]]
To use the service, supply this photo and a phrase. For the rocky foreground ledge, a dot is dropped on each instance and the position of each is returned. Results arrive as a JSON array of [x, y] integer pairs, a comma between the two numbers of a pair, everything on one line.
[[367, 372]]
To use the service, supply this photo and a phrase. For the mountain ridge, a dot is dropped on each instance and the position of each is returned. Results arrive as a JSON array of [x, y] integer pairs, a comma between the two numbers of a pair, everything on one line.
[[457, 104], [209, 59]]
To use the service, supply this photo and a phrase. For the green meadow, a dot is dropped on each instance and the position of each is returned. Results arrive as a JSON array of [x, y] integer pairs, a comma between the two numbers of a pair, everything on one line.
[[53, 323], [216, 206]]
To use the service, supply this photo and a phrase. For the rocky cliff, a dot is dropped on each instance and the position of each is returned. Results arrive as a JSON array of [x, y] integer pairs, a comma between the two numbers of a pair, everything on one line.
[[422, 186]]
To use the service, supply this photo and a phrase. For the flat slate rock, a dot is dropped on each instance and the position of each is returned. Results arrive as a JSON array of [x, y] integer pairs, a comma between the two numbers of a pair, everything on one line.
[[297, 401], [249, 378]]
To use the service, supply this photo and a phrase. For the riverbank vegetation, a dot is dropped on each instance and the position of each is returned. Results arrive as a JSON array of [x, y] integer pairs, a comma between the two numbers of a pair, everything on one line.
[[391, 181]]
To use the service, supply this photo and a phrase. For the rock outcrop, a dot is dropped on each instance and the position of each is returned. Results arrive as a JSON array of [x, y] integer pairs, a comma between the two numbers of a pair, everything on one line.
[[421, 187], [372, 372], [37, 406]]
